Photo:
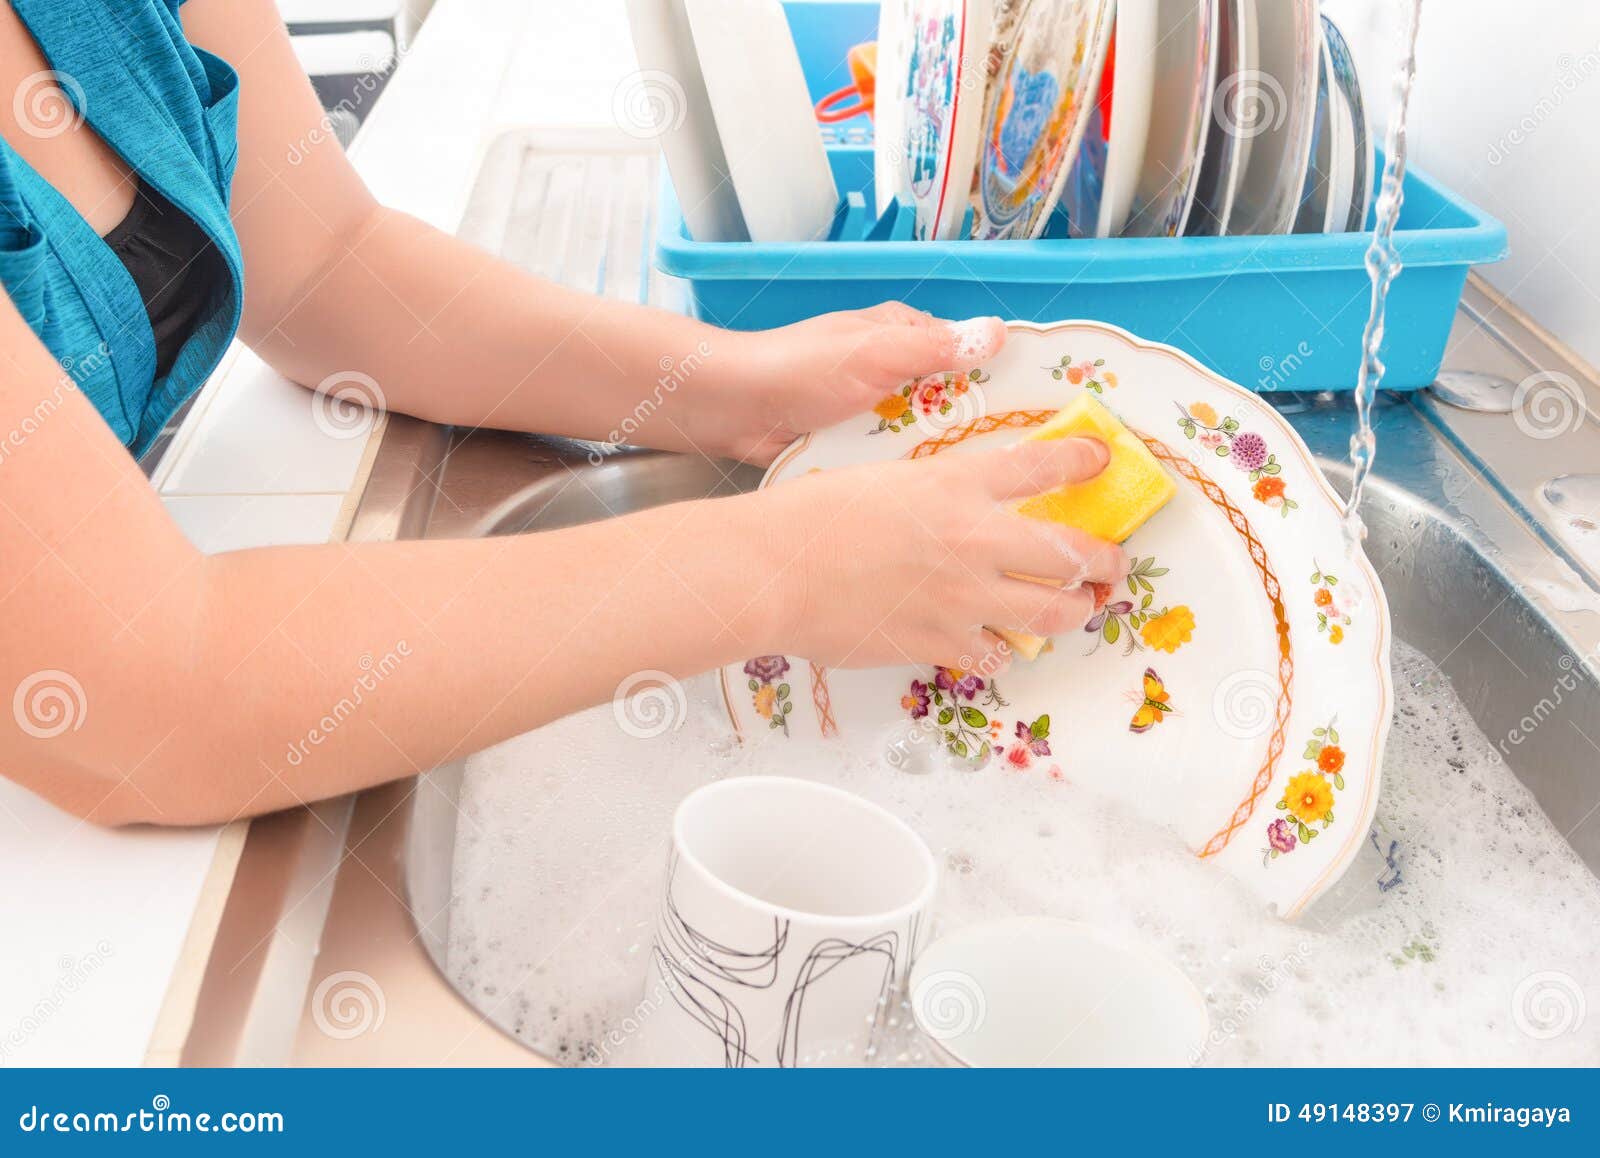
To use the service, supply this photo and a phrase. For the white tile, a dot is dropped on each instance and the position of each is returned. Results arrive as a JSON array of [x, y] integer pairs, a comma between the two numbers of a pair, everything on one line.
[[261, 435], [217, 523], [94, 923]]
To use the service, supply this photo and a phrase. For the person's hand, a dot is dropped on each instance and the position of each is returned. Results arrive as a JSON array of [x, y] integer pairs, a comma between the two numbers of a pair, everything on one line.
[[779, 384], [904, 561]]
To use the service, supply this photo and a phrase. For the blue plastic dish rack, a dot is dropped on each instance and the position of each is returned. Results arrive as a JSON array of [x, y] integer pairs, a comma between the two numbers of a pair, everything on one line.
[[1274, 313]]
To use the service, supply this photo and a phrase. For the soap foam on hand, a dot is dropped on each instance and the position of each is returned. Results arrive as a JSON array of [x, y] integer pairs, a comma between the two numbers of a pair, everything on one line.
[[1112, 505]]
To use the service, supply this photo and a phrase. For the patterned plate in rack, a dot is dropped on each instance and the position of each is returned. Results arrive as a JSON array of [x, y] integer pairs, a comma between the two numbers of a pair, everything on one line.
[[1234, 687]]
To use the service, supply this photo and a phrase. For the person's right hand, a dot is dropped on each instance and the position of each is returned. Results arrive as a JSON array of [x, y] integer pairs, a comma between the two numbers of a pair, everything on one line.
[[903, 562]]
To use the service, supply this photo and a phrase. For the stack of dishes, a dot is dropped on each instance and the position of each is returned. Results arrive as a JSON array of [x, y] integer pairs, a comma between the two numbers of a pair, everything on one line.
[[1119, 118]]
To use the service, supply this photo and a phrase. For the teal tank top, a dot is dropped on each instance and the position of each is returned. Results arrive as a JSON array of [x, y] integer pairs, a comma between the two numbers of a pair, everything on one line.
[[170, 110]]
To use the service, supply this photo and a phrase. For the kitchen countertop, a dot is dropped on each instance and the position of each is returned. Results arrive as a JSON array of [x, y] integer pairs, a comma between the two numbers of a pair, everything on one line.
[[108, 935]]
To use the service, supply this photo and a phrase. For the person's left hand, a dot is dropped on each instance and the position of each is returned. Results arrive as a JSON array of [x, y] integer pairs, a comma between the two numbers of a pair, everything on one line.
[[781, 383]]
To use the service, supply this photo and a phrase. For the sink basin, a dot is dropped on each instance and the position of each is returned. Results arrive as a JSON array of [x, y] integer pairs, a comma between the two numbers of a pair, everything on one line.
[[1456, 560]]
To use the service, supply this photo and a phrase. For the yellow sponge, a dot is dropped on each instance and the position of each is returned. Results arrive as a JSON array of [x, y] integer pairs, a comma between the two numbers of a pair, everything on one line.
[[1112, 505], [1116, 502], [1029, 647]]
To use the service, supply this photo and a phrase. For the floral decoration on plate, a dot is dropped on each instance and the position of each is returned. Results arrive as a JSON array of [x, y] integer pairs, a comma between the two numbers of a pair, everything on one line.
[[1332, 616], [1136, 621], [768, 693], [1243, 449], [1090, 375], [1308, 797], [933, 397]]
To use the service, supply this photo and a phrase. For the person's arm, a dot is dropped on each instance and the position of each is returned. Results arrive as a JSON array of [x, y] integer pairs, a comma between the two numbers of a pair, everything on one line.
[[152, 683], [339, 284]]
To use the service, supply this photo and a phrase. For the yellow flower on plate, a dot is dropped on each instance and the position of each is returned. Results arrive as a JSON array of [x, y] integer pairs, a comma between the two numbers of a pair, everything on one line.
[[1109, 378], [1170, 630], [766, 697], [1335, 634], [1309, 797], [1203, 413], [891, 407]]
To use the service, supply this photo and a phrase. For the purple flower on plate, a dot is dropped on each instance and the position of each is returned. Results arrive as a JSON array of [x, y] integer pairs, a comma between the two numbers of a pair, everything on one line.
[[1279, 836], [1038, 745], [959, 683], [916, 700], [1249, 451], [766, 668], [1097, 621]]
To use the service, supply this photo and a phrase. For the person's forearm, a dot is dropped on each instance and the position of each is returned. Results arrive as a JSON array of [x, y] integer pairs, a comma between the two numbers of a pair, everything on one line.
[[320, 670], [452, 334]]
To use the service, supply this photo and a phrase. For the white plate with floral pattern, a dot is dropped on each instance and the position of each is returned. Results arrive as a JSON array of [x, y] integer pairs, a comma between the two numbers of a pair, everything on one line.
[[1235, 687], [927, 145]]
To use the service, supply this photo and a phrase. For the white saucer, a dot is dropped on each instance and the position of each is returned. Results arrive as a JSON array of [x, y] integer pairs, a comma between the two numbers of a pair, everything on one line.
[[1037, 991]]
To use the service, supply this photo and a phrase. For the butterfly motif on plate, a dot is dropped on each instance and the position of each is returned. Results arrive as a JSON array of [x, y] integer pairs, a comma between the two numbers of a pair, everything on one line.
[[1155, 705]]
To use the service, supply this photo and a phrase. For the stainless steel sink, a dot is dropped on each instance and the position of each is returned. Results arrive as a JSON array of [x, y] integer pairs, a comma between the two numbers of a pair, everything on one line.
[[1460, 565], [1475, 580]]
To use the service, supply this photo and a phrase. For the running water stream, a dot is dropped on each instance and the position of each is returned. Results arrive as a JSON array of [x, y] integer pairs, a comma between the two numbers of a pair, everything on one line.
[[1383, 266]]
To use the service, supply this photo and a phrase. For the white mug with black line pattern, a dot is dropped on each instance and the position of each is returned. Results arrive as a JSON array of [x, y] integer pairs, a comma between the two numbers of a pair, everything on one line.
[[790, 916]]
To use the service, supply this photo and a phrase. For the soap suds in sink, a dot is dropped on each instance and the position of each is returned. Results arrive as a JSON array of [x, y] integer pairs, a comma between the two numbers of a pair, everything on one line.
[[1466, 935]]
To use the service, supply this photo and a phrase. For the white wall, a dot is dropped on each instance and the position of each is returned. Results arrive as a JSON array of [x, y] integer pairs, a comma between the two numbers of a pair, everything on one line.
[[1506, 111]]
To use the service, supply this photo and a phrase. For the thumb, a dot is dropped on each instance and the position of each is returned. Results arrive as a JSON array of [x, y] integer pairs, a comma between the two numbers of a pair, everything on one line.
[[1034, 466], [926, 345]]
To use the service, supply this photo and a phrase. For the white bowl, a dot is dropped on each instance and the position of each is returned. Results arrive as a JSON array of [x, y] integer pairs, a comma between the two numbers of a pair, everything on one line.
[[1036, 991]]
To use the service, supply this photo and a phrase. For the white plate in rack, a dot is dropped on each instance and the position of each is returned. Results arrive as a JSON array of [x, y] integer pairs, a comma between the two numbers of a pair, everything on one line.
[[929, 107], [666, 99], [1282, 117], [764, 119], [1185, 67]]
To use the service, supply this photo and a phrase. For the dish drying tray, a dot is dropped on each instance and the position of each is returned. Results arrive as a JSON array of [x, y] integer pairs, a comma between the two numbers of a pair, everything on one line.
[[1270, 313]]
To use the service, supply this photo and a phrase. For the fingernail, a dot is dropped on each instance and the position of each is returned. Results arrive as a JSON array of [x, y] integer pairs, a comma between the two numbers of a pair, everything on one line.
[[976, 339], [1102, 451]]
